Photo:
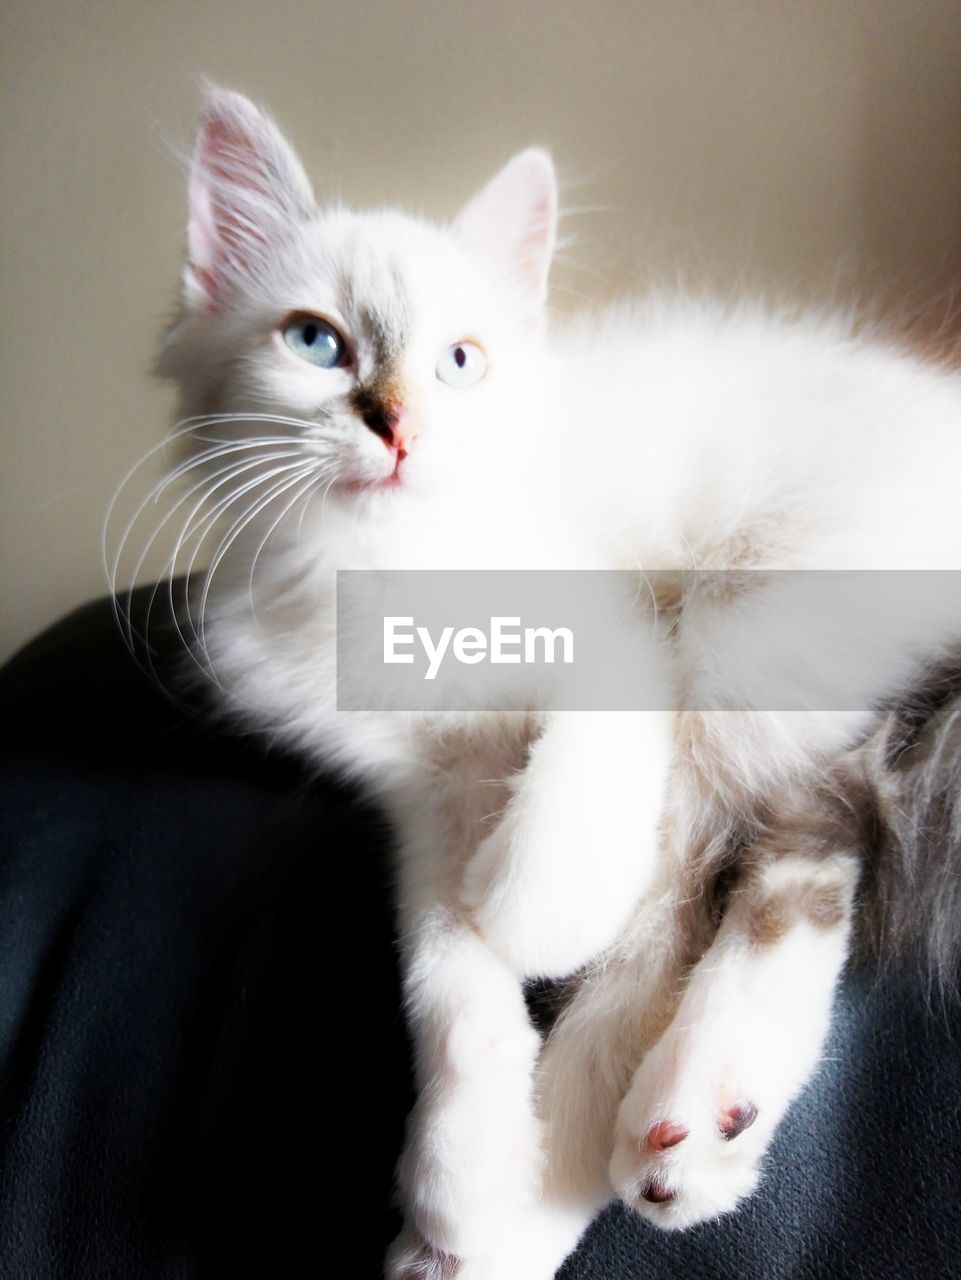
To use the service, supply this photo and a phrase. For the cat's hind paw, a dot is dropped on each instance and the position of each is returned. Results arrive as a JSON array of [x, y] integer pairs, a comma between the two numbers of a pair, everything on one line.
[[685, 1165], [704, 1104]]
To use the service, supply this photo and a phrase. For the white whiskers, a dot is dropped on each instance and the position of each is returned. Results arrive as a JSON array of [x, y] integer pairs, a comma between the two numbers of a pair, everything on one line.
[[227, 480]]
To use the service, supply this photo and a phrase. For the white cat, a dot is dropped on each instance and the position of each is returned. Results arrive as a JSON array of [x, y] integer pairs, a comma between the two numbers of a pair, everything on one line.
[[369, 391]]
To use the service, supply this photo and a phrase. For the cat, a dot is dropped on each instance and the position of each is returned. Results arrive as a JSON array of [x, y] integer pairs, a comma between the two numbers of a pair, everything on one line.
[[371, 391]]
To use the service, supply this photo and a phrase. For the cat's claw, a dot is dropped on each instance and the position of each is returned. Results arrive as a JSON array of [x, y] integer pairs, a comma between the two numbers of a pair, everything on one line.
[[736, 1119]]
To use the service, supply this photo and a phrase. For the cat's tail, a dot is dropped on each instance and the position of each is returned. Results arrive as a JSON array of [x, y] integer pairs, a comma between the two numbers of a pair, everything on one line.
[[908, 781]]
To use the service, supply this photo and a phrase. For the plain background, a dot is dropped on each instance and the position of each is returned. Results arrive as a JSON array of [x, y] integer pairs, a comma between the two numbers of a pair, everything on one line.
[[812, 147]]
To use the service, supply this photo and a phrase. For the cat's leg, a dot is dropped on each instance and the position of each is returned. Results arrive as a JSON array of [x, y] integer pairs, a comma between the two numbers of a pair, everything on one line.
[[472, 1158], [703, 1105], [471, 1174], [561, 873], [617, 1010]]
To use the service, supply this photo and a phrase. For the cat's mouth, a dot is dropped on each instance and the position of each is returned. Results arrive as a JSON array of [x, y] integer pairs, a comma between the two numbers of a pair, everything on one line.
[[393, 480]]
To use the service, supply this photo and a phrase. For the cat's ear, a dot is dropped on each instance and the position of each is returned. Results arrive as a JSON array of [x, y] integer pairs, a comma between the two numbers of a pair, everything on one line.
[[246, 189], [512, 221]]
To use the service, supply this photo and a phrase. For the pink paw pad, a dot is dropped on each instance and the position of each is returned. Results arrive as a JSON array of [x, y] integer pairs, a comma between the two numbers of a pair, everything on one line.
[[664, 1134]]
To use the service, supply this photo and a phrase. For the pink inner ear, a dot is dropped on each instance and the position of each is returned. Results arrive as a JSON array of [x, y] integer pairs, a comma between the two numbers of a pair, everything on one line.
[[202, 237], [246, 185], [536, 245], [513, 221], [227, 183]]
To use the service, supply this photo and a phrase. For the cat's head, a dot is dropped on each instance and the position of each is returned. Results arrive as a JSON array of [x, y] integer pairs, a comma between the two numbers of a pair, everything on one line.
[[399, 353]]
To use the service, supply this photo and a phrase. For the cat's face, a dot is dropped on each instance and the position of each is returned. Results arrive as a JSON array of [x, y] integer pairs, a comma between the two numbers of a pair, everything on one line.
[[401, 353]]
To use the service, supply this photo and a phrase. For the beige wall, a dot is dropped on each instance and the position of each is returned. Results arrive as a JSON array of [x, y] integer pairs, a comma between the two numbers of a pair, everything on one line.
[[799, 142]]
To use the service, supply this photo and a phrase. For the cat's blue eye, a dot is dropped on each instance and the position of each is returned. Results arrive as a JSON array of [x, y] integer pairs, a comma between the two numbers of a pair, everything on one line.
[[462, 365], [315, 340]]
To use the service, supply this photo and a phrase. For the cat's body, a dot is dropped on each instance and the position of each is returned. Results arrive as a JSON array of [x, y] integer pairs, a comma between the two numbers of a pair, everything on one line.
[[675, 437]]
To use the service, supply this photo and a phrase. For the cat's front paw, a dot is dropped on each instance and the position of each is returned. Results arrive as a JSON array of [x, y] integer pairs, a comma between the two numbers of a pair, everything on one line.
[[688, 1144], [473, 1156], [410, 1257], [532, 1250]]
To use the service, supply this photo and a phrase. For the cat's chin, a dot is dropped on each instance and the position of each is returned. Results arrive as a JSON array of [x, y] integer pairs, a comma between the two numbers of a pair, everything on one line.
[[387, 484]]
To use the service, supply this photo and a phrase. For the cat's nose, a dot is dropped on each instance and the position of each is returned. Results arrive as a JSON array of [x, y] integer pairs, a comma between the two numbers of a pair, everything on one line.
[[380, 417], [393, 424], [403, 434]]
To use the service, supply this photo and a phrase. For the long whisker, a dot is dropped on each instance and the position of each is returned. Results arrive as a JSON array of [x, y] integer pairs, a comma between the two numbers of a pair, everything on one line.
[[212, 419], [309, 499], [112, 569], [323, 501], [318, 471], [199, 529], [314, 479], [189, 527], [223, 459], [222, 476], [148, 618], [167, 481], [230, 538], [185, 427], [215, 480], [204, 526]]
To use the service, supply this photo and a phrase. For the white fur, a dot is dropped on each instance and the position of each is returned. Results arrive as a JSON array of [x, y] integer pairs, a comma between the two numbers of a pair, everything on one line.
[[749, 1029], [670, 435]]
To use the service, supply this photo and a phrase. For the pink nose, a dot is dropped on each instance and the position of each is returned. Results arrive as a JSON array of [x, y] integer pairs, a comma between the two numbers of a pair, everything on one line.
[[402, 434], [388, 419]]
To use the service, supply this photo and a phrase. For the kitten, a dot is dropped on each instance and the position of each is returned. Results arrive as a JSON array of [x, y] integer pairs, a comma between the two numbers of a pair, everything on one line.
[[368, 391]]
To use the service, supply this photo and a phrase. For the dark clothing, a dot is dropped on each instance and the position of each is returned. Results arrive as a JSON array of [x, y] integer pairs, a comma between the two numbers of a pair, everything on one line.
[[203, 1070]]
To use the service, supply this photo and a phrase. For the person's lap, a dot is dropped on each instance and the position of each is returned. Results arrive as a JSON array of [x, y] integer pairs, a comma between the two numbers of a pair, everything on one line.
[[203, 1069]]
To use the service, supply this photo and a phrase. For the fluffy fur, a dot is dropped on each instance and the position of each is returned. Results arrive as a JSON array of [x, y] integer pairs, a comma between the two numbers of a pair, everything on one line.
[[699, 868]]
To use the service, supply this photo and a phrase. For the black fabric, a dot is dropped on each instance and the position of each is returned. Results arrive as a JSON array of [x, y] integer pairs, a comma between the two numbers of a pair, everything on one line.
[[203, 1071], [202, 1063]]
